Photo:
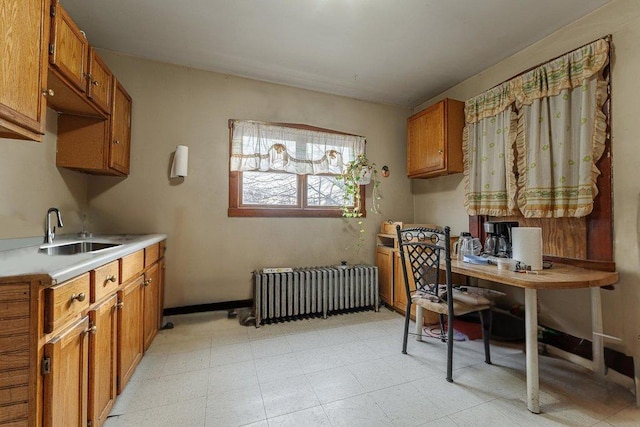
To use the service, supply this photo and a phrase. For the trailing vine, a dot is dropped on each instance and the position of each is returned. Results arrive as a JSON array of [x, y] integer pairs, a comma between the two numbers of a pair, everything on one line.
[[359, 172]]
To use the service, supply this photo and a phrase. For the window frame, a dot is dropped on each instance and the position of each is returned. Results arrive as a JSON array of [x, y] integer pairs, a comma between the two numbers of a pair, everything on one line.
[[237, 209]]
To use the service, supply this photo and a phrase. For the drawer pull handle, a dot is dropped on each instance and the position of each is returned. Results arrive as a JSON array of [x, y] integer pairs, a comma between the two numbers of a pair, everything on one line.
[[111, 278], [92, 330], [120, 305], [80, 297]]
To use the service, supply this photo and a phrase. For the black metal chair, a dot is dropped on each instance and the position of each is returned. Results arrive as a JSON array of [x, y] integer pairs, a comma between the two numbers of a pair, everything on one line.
[[421, 252]]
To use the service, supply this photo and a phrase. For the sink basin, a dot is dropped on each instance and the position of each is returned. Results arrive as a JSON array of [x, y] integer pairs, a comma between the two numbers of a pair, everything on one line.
[[77, 248]]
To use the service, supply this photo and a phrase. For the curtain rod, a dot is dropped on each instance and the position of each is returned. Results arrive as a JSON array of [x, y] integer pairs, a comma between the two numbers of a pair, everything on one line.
[[606, 38], [295, 126]]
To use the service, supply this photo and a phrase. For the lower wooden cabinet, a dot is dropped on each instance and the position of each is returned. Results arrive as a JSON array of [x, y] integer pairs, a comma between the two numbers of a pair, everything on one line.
[[399, 289], [384, 262], [65, 368], [102, 360], [130, 330], [151, 292], [68, 349]]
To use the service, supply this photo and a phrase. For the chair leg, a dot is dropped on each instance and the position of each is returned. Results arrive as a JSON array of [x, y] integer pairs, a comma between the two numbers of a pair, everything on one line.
[[442, 337], [485, 321], [419, 322], [406, 327], [450, 348]]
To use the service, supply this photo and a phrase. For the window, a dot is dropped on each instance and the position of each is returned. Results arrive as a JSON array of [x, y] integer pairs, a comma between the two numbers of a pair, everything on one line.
[[288, 170]]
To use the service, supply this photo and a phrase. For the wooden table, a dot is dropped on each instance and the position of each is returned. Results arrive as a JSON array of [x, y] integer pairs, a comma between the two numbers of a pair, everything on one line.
[[560, 276]]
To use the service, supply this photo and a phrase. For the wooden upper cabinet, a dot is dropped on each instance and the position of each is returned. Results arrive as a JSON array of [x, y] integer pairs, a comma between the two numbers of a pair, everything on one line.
[[79, 81], [23, 47], [69, 47], [99, 82], [434, 140], [119, 152], [95, 145]]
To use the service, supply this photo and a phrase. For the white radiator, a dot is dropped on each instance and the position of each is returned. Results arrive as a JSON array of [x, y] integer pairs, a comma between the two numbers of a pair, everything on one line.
[[314, 291]]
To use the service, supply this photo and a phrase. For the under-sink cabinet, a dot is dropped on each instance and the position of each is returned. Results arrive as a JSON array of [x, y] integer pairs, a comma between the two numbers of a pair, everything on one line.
[[68, 349]]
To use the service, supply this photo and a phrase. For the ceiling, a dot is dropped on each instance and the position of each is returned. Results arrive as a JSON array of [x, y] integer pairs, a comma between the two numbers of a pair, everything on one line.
[[400, 52]]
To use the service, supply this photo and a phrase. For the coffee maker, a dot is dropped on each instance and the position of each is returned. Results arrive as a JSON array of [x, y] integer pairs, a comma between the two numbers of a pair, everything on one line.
[[498, 241]]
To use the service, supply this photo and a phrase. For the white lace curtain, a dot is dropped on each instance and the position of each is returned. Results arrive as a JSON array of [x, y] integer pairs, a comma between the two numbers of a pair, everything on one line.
[[559, 134], [257, 146]]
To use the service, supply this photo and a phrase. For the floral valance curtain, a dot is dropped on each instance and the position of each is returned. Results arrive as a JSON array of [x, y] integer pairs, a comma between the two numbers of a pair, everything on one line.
[[257, 146], [557, 135]]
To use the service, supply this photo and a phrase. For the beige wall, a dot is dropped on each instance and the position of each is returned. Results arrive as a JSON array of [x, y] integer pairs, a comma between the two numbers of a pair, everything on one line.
[[30, 184], [210, 256], [569, 310]]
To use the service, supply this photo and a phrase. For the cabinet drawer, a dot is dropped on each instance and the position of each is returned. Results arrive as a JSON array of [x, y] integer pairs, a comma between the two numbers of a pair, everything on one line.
[[131, 265], [66, 300], [151, 254], [104, 281]]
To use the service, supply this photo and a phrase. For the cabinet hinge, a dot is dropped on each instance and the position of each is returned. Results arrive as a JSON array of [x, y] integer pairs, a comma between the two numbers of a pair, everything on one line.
[[52, 48], [46, 366], [52, 11]]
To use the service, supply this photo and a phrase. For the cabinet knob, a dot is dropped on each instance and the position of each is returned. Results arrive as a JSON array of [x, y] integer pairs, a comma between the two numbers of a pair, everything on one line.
[[117, 141], [440, 151], [111, 278], [80, 297], [92, 330], [95, 83], [146, 282], [120, 305], [48, 92]]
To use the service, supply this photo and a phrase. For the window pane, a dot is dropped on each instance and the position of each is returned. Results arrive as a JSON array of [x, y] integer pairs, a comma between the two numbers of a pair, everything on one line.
[[324, 191], [269, 188]]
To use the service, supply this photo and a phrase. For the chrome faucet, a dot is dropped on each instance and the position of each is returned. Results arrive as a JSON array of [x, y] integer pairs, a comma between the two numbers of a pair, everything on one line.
[[50, 232]]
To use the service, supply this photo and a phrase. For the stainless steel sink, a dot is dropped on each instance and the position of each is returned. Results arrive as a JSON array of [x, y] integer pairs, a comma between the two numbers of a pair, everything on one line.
[[77, 248]]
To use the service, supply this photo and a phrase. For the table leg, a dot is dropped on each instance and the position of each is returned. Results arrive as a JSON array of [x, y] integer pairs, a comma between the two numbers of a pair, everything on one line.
[[636, 365], [597, 343], [531, 332], [419, 322]]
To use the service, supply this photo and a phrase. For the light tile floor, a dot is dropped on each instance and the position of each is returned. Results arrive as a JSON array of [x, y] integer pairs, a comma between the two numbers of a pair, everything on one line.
[[348, 370]]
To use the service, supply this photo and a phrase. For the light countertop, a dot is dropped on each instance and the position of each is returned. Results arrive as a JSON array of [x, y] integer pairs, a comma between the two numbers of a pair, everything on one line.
[[20, 257]]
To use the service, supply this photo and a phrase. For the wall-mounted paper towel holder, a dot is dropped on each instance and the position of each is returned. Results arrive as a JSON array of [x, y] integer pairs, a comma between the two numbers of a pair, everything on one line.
[[180, 162]]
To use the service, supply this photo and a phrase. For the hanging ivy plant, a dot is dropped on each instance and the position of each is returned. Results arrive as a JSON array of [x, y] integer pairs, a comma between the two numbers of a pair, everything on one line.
[[360, 171]]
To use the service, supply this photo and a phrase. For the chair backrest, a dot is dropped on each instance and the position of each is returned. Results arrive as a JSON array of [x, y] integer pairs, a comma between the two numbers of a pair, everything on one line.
[[421, 250]]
